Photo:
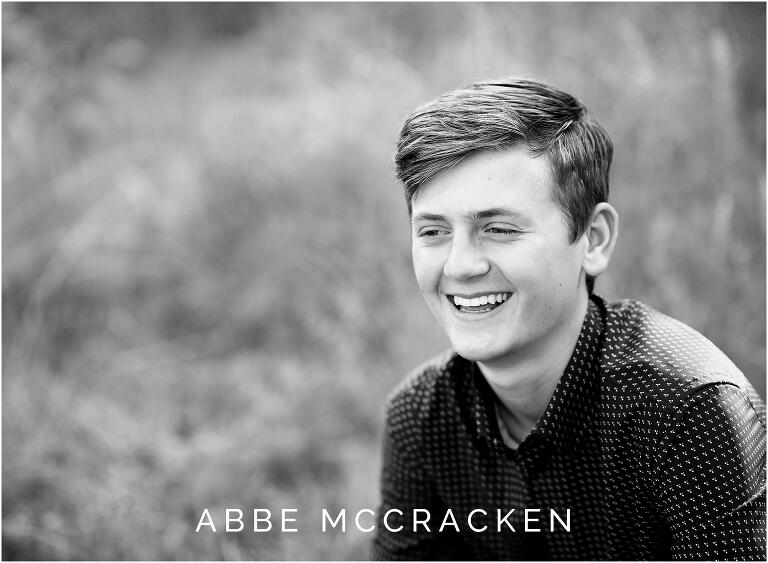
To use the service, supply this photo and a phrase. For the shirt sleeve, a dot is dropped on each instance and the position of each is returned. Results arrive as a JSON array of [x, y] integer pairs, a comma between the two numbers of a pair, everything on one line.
[[712, 478], [405, 486]]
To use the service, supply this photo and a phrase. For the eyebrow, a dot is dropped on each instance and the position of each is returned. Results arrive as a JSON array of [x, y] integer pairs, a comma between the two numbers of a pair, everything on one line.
[[471, 216]]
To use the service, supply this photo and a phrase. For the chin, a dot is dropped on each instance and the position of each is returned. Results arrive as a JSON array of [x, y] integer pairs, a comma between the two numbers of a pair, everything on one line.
[[479, 352]]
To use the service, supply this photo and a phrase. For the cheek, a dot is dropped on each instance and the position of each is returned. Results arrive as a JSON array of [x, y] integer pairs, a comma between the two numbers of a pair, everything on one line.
[[565, 270], [428, 267], [545, 270]]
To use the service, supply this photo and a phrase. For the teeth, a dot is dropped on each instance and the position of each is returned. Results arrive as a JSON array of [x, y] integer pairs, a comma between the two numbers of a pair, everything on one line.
[[482, 300]]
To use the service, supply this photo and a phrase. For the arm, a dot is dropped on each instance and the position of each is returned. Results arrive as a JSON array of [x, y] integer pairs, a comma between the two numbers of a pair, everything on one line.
[[712, 477], [405, 485]]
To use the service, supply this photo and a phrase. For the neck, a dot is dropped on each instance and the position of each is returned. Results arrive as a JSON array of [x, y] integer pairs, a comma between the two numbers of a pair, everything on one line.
[[524, 383]]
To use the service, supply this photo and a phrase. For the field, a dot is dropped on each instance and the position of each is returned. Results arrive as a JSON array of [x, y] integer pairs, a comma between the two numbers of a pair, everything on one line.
[[207, 286]]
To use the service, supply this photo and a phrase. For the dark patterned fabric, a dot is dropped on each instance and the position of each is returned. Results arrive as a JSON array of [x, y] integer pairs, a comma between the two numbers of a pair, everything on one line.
[[653, 439]]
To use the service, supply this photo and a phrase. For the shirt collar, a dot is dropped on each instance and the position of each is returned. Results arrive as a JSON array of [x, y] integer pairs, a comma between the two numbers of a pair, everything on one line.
[[570, 414]]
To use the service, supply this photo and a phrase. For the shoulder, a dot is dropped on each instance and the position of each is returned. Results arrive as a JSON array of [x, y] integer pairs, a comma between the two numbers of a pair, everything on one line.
[[431, 397], [424, 386], [675, 404], [649, 354], [658, 374]]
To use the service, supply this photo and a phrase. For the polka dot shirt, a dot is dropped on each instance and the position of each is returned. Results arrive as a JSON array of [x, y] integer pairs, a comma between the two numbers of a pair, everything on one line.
[[652, 447]]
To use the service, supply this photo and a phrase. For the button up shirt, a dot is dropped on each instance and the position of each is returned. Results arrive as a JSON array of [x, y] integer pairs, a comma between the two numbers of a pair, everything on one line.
[[651, 447]]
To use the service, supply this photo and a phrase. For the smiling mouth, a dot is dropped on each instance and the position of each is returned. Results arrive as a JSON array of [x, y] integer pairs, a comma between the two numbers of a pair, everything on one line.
[[479, 304]]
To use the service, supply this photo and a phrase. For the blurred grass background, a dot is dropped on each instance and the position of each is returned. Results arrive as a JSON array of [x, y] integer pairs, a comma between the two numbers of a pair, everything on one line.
[[207, 288]]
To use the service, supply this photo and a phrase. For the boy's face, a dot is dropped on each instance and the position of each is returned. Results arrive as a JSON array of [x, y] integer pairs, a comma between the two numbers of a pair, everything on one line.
[[488, 230]]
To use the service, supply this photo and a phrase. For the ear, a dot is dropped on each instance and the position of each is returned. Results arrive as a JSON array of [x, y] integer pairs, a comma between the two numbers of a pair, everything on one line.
[[601, 234]]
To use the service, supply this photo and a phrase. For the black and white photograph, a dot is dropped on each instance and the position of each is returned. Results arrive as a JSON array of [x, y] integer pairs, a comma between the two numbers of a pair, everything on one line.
[[383, 281]]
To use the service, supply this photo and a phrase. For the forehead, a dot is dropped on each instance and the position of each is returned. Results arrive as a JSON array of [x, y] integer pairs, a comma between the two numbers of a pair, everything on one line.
[[512, 178]]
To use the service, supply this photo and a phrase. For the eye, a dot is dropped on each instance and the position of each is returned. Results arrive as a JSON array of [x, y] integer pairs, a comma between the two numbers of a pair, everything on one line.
[[432, 232], [503, 231]]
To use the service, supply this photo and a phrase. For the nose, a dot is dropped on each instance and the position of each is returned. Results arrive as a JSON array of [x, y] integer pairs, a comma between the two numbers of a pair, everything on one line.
[[466, 259]]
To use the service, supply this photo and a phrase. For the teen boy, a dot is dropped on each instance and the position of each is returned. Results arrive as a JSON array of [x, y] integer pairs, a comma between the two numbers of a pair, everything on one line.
[[629, 423]]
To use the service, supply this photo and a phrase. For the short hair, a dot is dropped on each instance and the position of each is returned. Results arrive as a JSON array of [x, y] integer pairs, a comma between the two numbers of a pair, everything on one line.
[[505, 113], [501, 114]]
